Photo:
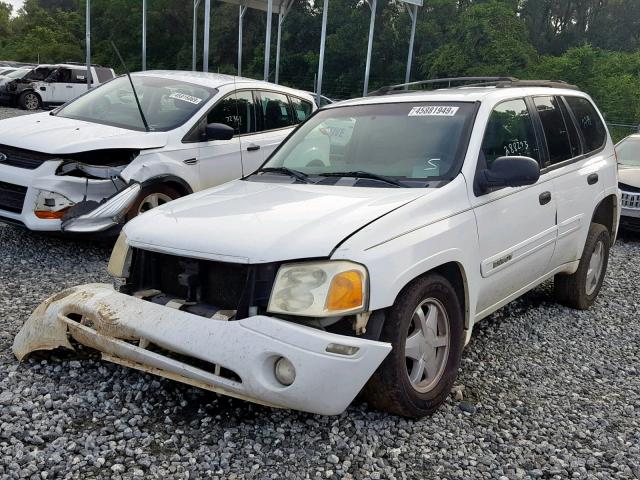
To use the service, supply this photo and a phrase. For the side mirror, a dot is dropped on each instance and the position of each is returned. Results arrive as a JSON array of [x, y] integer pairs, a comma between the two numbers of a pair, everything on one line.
[[218, 131], [509, 172]]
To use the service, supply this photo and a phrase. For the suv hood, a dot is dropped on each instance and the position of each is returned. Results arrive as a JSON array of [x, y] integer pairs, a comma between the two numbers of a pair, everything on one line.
[[250, 222], [629, 175], [46, 133]]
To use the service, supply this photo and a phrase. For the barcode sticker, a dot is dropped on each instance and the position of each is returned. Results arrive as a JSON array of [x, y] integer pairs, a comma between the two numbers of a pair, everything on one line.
[[433, 111], [185, 98]]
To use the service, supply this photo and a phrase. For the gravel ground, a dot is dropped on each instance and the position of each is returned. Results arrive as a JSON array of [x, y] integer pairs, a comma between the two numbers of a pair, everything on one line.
[[6, 112], [549, 393]]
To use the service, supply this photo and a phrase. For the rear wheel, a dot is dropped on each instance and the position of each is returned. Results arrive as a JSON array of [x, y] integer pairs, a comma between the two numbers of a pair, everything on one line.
[[425, 327], [30, 101], [152, 197], [580, 289]]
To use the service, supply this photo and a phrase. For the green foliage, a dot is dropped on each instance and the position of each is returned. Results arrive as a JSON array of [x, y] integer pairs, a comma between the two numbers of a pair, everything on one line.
[[592, 43]]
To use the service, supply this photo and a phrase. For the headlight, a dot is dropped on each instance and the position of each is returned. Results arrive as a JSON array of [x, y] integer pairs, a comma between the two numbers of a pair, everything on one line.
[[120, 260], [319, 289]]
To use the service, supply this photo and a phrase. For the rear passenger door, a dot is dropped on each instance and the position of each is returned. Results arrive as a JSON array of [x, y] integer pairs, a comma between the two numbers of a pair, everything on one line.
[[516, 226], [574, 134]]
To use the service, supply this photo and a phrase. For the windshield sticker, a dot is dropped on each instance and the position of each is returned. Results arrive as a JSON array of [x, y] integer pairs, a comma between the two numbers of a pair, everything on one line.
[[433, 111], [185, 98]]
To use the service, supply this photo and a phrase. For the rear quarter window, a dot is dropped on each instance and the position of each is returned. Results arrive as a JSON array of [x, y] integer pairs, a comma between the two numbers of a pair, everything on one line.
[[589, 123], [103, 74]]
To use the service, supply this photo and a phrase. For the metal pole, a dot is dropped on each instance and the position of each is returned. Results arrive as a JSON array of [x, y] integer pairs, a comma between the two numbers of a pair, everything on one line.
[[196, 4], [280, 20], [267, 41], [243, 10], [323, 37], [207, 24], [144, 35], [88, 43], [369, 46], [414, 15]]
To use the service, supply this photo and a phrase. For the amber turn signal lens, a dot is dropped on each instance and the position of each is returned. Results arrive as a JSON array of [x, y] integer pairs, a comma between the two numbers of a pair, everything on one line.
[[345, 292], [49, 215]]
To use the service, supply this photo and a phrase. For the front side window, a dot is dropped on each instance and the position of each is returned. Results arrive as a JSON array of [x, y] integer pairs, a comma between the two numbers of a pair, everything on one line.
[[401, 141], [509, 132], [166, 103], [589, 123], [628, 151], [236, 110], [555, 129], [39, 74], [275, 111]]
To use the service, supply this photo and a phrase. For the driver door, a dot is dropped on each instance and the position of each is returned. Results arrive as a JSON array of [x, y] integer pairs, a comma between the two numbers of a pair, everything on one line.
[[516, 226], [222, 160]]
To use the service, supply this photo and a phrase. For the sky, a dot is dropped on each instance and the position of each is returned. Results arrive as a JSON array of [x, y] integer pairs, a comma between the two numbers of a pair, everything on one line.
[[16, 4]]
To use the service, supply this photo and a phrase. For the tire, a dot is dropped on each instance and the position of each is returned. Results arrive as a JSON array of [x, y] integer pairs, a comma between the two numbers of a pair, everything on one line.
[[30, 101], [162, 193], [580, 289], [391, 389]]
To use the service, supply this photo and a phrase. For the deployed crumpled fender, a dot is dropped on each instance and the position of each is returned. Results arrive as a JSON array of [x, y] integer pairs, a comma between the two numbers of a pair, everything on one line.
[[235, 358]]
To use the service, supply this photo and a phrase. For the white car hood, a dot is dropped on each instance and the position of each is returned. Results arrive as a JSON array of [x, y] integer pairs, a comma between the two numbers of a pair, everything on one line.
[[629, 175], [247, 222], [43, 132]]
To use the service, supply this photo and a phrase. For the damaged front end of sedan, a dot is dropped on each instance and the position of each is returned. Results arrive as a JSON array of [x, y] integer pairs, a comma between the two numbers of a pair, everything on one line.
[[214, 325]]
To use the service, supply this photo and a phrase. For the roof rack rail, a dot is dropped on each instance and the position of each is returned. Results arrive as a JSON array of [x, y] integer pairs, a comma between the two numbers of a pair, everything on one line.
[[80, 63], [498, 82]]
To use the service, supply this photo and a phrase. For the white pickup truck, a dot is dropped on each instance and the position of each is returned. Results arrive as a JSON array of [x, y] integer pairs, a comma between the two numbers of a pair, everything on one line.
[[300, 285]]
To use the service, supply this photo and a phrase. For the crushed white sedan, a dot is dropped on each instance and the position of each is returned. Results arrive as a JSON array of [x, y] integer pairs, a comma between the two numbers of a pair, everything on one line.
[[118, 151]]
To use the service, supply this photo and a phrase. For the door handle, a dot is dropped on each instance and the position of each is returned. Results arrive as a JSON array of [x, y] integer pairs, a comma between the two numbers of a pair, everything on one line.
[[253, 148], [545, 197], [592, 179], [69, 86]]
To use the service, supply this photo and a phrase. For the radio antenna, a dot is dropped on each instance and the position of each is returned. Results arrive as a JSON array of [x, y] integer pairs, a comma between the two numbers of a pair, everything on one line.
[[135, 94]]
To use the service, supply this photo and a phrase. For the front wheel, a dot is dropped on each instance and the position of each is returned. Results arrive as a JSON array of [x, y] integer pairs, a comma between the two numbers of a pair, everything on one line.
[[425, 327], [30, 101], [150, 198], [580, 289]]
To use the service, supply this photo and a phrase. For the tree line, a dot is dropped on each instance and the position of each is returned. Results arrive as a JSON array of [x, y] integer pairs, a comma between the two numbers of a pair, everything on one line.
[[592, 43]]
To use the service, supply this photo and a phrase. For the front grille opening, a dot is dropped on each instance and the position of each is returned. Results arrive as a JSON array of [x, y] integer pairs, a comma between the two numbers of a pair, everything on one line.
[[12, 197], [209, 367], [207, 286]]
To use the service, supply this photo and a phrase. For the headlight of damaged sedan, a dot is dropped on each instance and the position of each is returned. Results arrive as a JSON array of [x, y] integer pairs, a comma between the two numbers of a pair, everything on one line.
[[320, 289]]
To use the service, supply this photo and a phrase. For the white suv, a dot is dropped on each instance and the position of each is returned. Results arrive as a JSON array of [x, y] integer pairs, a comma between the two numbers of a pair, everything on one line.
[[301, 284], [100, 160]]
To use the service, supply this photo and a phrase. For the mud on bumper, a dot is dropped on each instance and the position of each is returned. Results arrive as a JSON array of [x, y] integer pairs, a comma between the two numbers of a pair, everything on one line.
[[235, 358]]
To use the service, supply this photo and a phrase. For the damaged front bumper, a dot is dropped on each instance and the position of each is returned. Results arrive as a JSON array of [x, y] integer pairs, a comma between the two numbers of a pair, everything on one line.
[[235, 358]]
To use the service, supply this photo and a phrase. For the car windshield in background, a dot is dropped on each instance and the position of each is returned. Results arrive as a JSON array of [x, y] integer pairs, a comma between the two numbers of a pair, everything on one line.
[[166, 103], [21, 72], [628, 151], [386, 144]]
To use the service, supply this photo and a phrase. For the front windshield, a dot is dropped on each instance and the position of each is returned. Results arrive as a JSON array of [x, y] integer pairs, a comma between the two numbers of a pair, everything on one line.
[[400, 141], [166, 103], [628, 151], [17, 73]]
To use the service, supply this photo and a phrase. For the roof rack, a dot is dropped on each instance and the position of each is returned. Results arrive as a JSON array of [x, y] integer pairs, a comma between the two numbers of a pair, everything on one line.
[[80, 63], [461, 82]]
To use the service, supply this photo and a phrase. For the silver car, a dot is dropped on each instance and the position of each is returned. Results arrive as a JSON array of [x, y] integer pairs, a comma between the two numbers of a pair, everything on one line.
[[628, 151]]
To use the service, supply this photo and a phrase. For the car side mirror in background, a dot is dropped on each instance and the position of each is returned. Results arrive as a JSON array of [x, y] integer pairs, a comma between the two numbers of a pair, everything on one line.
[[218, 131], [509, 172]]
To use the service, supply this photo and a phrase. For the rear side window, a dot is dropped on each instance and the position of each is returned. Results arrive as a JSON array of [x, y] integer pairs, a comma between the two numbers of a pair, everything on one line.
[[103, 74], [78, 76], [274, 112], [509, 132], [556, 130], [589, 123], [301, 109]]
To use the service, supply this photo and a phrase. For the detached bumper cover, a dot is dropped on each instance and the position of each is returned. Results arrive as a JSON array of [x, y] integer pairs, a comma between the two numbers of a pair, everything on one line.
[[122, 327]]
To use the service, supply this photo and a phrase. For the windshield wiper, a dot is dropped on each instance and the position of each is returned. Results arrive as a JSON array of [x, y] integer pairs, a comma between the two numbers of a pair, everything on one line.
[[303, 177], [135, 94], [363, 174]]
